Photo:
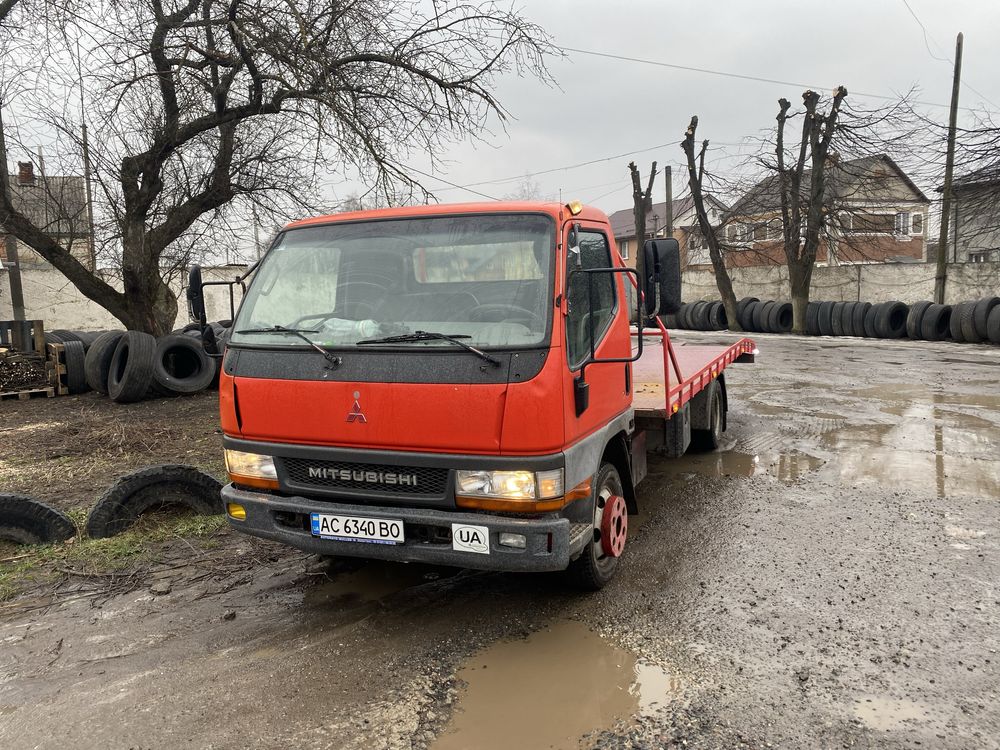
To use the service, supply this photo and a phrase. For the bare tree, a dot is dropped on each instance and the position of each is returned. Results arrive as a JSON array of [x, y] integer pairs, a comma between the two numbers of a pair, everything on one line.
[[696, 175], [642, 204], [201, 111]]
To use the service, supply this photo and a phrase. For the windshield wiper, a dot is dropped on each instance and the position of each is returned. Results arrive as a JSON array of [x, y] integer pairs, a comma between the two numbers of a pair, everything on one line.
[[433, 336], [330, 357]]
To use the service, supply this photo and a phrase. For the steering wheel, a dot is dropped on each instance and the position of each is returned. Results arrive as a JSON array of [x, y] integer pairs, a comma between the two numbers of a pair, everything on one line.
[[499, 312]]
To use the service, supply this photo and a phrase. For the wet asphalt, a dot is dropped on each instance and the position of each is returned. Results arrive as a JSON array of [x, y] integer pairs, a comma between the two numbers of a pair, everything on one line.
[[828, 579]]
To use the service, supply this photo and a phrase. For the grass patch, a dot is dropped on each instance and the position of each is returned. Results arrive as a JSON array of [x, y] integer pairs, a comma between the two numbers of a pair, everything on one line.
[[29, 566]]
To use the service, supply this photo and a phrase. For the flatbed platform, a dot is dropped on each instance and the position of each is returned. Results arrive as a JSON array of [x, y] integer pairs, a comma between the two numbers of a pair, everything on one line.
[[662, 383]]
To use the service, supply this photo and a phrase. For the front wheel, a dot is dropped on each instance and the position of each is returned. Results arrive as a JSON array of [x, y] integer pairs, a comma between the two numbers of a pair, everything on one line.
[[599, 560]]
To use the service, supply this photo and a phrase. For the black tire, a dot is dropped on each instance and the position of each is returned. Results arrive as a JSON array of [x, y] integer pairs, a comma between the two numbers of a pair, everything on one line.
[[710, 439], [131, 373], [812, 318], [825, 318], [741, 312], [993, 325], [935, 322], [65, 335], [981, 315], [915, 318], [955, 324], [780, 318], [761, 316], [593, 569], [97, 364], [152, 488], [967, 320], [748, 316], [701, 316], [890, 320], [858, 320], [181, 365], [27, 521], [76, 367], [717, 318], [847, 318], [836, 321], [682, 316], [870, 322], [88, 337]]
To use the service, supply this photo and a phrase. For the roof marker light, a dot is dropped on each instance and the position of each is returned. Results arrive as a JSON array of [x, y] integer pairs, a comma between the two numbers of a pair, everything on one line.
[[574, 207]]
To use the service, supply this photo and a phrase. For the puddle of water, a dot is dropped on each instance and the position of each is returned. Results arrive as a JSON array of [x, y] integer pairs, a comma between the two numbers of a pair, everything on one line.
[[549, 689], [887, 714], [787, 466]]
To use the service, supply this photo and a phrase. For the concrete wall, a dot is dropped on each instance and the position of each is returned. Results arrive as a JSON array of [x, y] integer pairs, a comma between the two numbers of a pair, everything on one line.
[[48, 296], [877, 282]]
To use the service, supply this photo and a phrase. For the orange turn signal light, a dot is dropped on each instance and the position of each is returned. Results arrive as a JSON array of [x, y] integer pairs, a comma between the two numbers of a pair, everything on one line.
[[262, 483], [579, 492]]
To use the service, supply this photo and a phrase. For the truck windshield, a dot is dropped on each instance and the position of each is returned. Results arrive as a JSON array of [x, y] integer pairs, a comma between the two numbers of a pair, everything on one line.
[[486, 279]]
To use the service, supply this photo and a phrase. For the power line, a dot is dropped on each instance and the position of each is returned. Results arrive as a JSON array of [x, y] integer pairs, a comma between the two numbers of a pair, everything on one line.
[[946, 60], [742, 77], [446, 182]]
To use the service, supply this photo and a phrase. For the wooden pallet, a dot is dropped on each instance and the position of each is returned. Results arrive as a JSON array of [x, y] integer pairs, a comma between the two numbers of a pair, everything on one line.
[[55, 367], [30, 393], [23, 336]]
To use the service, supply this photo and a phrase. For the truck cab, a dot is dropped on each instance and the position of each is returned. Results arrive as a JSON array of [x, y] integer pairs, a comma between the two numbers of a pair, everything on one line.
[[446, 384]]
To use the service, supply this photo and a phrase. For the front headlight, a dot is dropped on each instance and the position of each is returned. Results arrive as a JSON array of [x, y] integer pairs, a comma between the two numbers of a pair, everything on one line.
[[510, 485], [251, 469]]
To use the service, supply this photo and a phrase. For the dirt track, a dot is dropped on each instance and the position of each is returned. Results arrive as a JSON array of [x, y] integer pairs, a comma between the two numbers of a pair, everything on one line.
[[828, 580]]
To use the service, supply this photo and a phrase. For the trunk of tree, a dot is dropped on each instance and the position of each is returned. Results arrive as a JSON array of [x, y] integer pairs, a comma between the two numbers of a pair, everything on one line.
[[799, 277], [642, 203], [696, 172]]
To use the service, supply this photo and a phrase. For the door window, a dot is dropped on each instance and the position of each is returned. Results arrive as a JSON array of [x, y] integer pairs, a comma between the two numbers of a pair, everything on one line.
[[589, 309]]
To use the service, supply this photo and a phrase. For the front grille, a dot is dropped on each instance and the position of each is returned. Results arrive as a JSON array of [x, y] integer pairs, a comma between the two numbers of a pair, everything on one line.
[[395, 480]]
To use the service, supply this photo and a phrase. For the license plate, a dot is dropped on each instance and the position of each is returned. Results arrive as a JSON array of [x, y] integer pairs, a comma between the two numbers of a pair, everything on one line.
[[355, 529]]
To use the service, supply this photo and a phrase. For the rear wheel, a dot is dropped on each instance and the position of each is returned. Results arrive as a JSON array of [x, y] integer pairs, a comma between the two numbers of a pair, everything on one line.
[[599, 560]]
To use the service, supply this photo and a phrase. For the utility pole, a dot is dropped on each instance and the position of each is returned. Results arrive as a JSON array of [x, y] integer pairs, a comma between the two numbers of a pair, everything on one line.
[[10, 241], [256, 232], [91, 241], [941, 277], [668, 178]]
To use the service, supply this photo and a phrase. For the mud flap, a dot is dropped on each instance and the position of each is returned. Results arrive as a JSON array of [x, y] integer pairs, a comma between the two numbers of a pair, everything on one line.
[[674, 438]]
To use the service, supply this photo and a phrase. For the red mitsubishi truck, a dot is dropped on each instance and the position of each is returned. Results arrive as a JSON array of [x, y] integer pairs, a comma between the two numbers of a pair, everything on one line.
[[458, 385]]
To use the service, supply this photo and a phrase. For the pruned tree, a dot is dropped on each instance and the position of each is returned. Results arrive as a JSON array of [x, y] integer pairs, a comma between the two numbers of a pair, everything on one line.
[[696, 176], [802, 221], [642, 204], [201, 111]]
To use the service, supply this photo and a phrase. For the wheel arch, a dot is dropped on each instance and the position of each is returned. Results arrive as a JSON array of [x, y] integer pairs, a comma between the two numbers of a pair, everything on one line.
[[616, 452]]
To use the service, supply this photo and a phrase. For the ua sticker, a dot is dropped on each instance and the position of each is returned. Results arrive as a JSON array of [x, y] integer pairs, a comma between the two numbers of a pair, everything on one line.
[[470, 538]]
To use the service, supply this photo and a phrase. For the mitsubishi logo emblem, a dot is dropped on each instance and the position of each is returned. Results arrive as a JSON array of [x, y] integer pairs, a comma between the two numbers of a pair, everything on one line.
[[355, 414]]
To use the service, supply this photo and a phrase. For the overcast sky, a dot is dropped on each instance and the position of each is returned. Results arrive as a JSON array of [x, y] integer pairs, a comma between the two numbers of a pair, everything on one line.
[[605, 107]]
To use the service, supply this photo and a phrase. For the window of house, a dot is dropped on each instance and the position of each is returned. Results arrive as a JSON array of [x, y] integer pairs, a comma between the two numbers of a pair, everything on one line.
[[981, 256], [774, 230], [733, 232], [759, 232], [696, 240], [623, 249], [918, 224], [589, 311], [871, 223], [902, 222]]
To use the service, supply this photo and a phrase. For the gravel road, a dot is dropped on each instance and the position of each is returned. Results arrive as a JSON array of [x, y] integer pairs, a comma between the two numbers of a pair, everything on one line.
[[829, 579]]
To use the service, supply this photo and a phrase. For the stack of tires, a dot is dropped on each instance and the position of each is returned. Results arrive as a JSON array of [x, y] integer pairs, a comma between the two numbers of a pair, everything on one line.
[[701, 316], [976, 321], [770, 316], [885, 320], [130, 366]]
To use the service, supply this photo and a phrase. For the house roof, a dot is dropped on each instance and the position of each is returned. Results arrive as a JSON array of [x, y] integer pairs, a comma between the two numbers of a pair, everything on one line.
[[847, 179], [623, 221], [989, 175], [55, 204]]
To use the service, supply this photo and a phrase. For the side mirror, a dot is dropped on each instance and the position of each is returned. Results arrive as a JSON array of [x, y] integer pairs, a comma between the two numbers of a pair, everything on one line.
[[661, 287], [573, 251], [196, 296]]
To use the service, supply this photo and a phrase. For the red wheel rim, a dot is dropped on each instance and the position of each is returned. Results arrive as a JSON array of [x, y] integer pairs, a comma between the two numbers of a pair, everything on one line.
[[614, 526]]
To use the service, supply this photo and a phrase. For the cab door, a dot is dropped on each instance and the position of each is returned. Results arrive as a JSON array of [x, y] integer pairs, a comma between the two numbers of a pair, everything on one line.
[[601, 314]]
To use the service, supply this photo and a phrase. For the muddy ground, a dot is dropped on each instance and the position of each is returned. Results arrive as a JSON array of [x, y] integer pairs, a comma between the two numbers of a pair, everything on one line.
[[828, 580]]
